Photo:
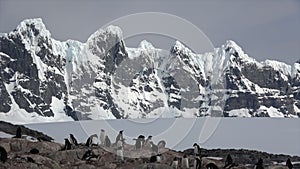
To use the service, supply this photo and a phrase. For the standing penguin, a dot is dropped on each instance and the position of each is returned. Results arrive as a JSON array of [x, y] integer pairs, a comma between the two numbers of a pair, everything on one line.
[[154, 147], [185, 162], [19, 132], [196, 149], [120, 151], [107, 141], [3, 154], [259, 164], [228, 161], [102, 137], [139, 142], [197, 163], [73, 140], [67, 145], [120, 136], [174, 163], [289, 164]]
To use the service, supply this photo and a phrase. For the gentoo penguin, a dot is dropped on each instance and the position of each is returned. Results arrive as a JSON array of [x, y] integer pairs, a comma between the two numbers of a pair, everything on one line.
[[161, 144], [120, 136], [212, 166], [197, 163], [185, 162], [92, 141], [3, 155], [102, 137], [139, 142], [73, 140], [259, 164], [88, 155], [196, 149], [154, 147], [19, 132], [289, 164], [174, 163], [153, 158], [107, 141], [228, 161], [120, 151], [148, 142], [67, 145]]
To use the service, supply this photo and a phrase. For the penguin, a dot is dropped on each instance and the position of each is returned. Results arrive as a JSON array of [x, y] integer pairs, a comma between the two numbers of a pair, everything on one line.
[[185, 162], [197, 163], [139, 142], [120, 136], [148, 142], [102, 137], [259, 164], [174, 163], [228, 161], [153, 158], [120, 151], [73, 140], [67, 145], [154, 147], [91, 141], [289, 164], [212, 166], [161, 144], [34, 151], [3, 154], [107, 141], [19, 132], [88, 155], [196, 149]]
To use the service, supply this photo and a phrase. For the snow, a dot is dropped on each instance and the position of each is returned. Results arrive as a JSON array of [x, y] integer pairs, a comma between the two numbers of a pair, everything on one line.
[[239, 113], [272, 111], [37, 22], [5, 135]]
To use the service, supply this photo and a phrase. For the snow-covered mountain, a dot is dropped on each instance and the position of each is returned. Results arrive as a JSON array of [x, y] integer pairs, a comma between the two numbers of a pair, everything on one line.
[[43, 79]]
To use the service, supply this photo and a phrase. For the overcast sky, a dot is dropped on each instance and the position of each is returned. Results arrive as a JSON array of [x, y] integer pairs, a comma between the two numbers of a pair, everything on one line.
[[266, 29]]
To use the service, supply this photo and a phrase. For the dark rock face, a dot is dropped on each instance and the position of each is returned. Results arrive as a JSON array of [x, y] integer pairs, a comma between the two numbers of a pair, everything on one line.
[[91, 80]]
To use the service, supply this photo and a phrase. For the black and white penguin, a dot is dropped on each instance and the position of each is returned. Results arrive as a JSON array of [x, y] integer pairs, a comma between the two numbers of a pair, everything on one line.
[[228, 161], [92, 141], [197, 163], [120, 136], [18, 132], [289, 164], [174, 163], [68, 145], [102, 137], [120, 151], [107, 141], [139, 142], [154, 147], [161, 144], [73, 140], [212, 166], [196, 149], [155, 158], [259, 164], [185, 162], [88, 155], [3, 154]]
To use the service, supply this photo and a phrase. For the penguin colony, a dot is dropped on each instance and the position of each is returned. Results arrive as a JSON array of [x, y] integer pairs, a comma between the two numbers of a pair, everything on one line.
[[141, 143]]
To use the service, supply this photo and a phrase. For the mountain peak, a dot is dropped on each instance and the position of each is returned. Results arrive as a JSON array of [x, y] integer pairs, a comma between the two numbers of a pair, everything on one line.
[[178, 47], [144, 44], [36, 26]]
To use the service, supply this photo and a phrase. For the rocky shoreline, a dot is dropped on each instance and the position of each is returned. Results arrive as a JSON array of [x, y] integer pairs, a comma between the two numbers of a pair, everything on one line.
[[23, 153]]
